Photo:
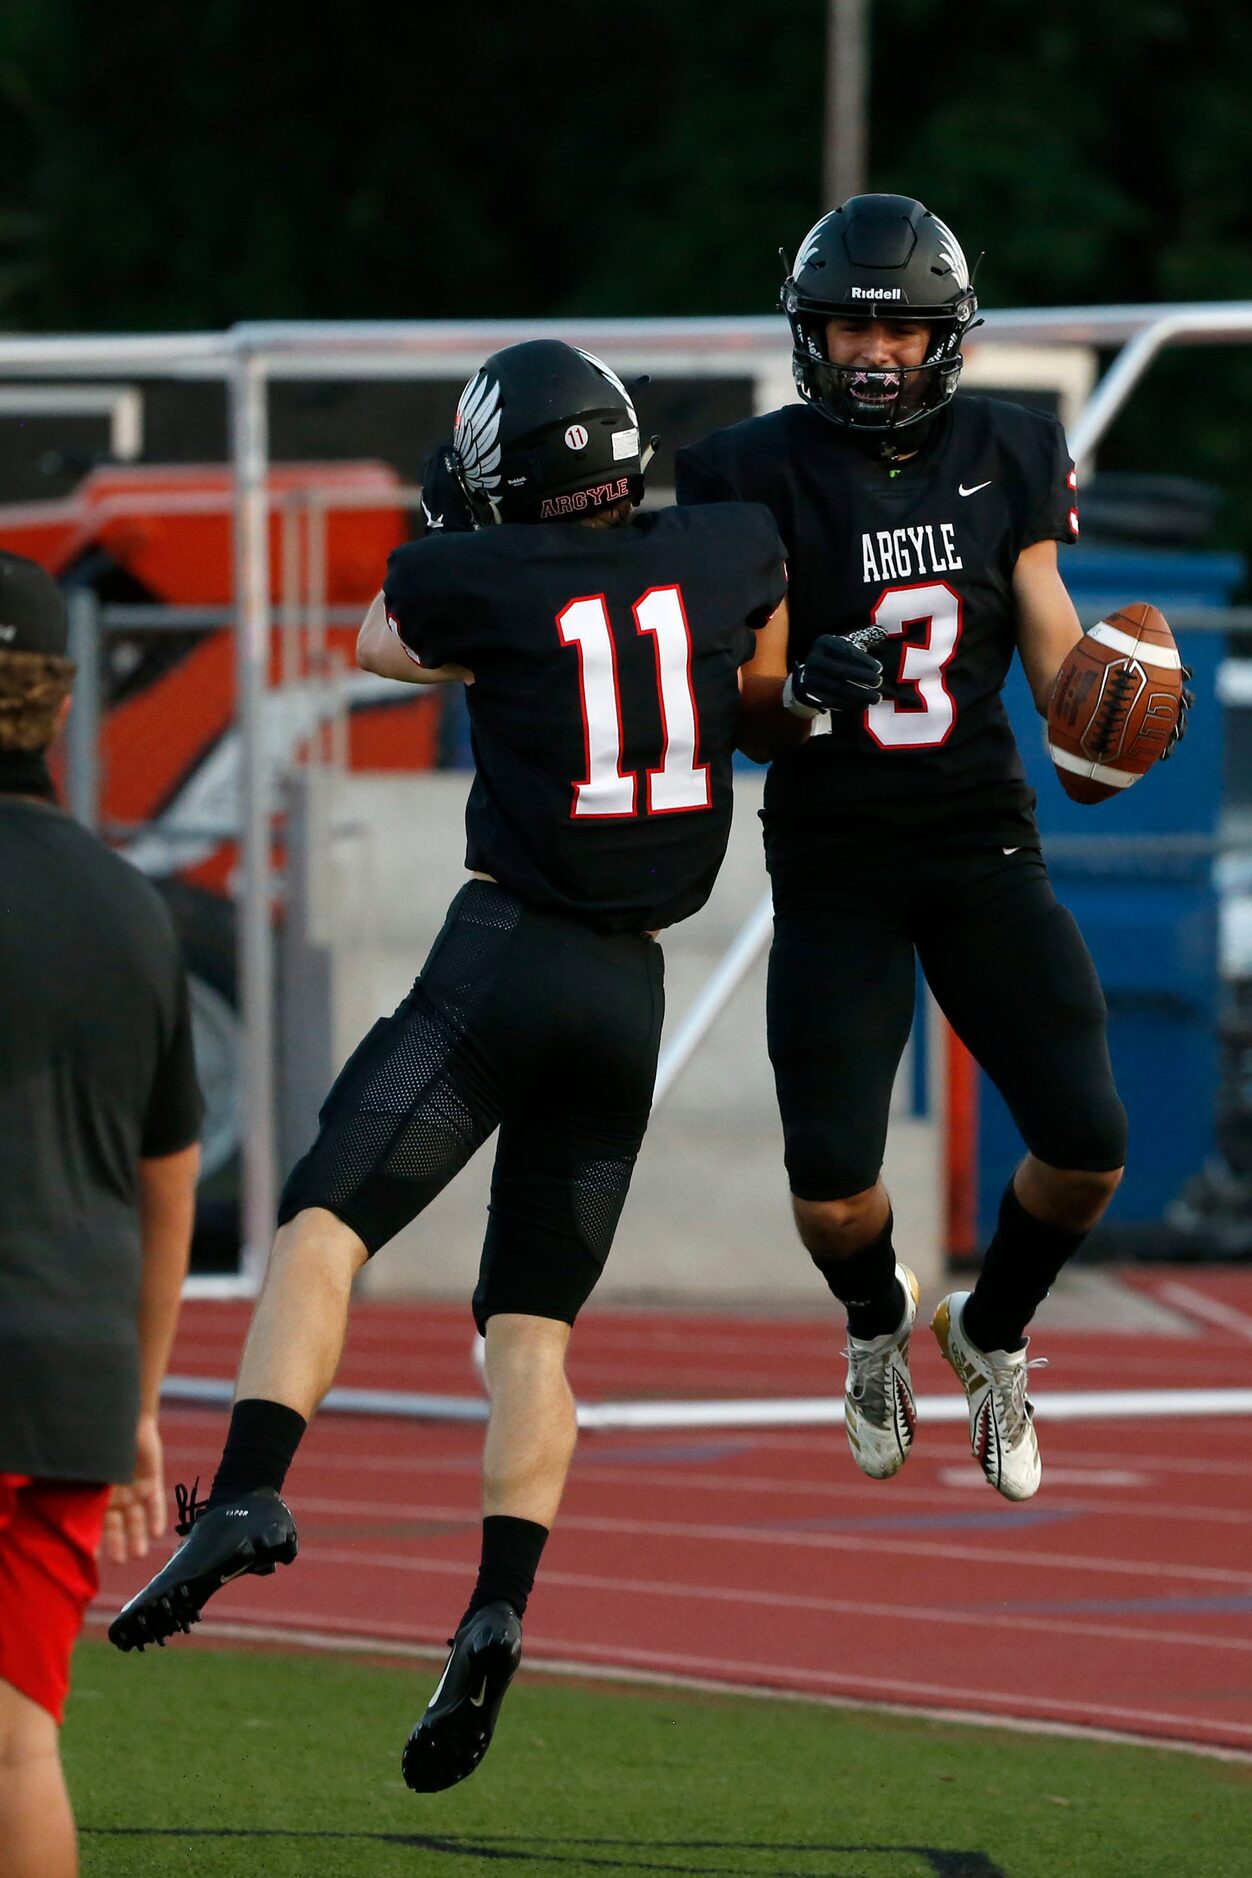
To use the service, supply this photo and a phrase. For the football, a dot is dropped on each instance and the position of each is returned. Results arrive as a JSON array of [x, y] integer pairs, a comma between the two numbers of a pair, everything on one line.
[[1115, 703]]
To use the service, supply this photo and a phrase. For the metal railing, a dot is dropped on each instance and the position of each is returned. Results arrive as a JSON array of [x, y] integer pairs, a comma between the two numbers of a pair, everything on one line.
[[248, 357]]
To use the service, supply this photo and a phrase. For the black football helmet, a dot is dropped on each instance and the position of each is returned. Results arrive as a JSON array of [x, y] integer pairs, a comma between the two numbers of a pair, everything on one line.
[[879, 257], [546, 432]]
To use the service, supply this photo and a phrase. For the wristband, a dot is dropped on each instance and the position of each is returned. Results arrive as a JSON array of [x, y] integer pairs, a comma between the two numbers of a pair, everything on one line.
[[791, 703]]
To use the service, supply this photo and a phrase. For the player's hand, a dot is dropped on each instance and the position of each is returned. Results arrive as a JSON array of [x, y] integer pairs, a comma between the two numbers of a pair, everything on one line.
[[834, 676], [444, 506], [1185, 703], [136, 1512]]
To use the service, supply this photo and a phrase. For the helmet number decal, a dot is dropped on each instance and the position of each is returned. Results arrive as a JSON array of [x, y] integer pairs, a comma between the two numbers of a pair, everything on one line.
[[679, 782], [934, 609]]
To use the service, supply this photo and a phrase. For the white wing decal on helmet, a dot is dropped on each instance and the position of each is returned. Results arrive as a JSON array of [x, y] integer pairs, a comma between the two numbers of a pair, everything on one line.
[[809, 247], [951, 253], [613, 379], [476, 433]]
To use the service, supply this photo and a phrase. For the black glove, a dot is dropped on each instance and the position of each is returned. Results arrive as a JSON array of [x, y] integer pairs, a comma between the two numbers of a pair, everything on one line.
[[834, 676], [1185, 703], [443, 499]]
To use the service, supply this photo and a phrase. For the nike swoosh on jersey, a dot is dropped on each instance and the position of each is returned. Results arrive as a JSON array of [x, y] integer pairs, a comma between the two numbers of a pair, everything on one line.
[[961, 490], [1012, 850]]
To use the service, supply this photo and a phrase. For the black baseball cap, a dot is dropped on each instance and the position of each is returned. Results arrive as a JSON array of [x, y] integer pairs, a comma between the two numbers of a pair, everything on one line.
[[32, 612]]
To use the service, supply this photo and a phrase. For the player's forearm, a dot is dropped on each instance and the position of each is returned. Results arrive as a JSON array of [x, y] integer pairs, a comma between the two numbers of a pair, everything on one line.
[[380, 650], [1048, 628], [766, 728], [167, 1205]]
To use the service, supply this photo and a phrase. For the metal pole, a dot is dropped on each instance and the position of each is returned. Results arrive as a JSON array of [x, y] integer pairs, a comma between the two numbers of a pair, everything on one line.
[[250, 447], [844, 158], [1117, 384], [289, 667], [82, 747], [736, 962], [320, 742]]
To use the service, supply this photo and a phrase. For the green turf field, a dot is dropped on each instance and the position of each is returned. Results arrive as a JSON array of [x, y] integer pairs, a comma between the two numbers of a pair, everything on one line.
[[226, 1762]]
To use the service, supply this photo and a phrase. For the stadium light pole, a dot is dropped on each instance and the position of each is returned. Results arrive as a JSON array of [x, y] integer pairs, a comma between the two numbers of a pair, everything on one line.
[[845, 142]]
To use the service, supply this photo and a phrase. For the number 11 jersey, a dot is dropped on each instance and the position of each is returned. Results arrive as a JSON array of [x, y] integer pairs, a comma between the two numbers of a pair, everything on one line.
[[926, 553], [605, 699]]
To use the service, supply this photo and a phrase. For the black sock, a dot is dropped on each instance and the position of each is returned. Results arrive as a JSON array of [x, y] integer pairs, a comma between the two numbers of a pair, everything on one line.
[[866, 1284], [511, 1552], [260, 1446], [1019, 1270]]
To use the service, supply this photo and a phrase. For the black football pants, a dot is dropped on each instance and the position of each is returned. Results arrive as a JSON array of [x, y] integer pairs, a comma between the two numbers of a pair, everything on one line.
[[538, 1024], [1006, 963]]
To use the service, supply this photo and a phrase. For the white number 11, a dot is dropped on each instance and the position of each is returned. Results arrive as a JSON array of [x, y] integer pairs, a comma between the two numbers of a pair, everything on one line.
[[679, 782]]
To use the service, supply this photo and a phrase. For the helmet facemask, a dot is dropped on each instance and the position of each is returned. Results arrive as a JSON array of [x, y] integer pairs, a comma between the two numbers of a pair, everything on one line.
[[876, 400]]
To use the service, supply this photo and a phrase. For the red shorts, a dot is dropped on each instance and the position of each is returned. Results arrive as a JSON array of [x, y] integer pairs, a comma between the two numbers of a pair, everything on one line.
[[49, 1535]]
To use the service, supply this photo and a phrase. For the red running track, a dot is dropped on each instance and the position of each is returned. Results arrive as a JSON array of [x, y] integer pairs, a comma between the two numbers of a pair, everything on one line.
[[1119, 1598]]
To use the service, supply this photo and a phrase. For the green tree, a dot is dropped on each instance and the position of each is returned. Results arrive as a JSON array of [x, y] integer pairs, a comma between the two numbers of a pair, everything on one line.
[[197, 166]]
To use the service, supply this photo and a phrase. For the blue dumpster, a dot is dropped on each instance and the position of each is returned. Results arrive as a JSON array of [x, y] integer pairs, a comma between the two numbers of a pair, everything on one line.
[[1137, 873]]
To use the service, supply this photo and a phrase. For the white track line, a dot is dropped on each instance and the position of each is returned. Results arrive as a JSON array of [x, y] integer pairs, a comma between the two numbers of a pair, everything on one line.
[[815, 1412], [1231, 1467], [754, 1412], [863, 1498], [775, 1537], [310, 1631], [756, 1441], [884, 1686], [316, 1554], [1208, 1310]]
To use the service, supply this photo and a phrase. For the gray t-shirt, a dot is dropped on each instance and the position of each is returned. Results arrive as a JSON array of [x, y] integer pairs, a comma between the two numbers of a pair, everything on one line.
[[96, 1072]]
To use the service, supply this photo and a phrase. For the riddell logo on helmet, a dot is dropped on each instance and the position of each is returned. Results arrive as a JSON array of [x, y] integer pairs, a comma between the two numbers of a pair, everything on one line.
[[553, 506], [876, 293]]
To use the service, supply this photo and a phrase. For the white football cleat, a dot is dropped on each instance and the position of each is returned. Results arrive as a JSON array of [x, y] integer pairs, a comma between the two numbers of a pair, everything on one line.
[[879, 1412], [1001, 1429]]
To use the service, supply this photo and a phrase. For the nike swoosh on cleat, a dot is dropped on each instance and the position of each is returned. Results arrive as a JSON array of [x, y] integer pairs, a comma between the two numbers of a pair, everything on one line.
[[476, 1701], [235, 1574], [961, 490], [439, 1685]]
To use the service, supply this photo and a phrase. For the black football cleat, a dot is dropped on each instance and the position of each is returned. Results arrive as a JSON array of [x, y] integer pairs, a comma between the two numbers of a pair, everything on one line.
[[456, 1730], [251, 1534]]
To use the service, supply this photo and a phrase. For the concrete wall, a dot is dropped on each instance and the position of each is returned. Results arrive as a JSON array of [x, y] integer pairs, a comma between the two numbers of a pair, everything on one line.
[[374, 861]]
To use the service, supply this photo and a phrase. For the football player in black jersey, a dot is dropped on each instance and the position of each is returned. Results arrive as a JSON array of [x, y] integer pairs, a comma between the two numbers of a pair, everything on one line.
[[922, 538], [602, 652]]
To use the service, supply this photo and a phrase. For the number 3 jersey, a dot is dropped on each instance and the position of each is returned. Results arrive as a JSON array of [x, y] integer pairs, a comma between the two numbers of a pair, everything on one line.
[[605, 699], [927, 554]]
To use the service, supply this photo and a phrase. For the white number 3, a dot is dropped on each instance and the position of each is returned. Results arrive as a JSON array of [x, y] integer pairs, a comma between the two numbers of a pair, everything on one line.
[[934, 605]]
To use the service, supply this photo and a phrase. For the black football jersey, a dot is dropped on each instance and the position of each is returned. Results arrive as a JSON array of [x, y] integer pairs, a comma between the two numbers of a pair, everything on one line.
[[605, 698], [928, 553]]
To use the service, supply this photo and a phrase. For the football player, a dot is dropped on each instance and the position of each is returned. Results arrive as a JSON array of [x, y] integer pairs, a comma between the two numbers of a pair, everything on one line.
[[601, 650], [898, 821]]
